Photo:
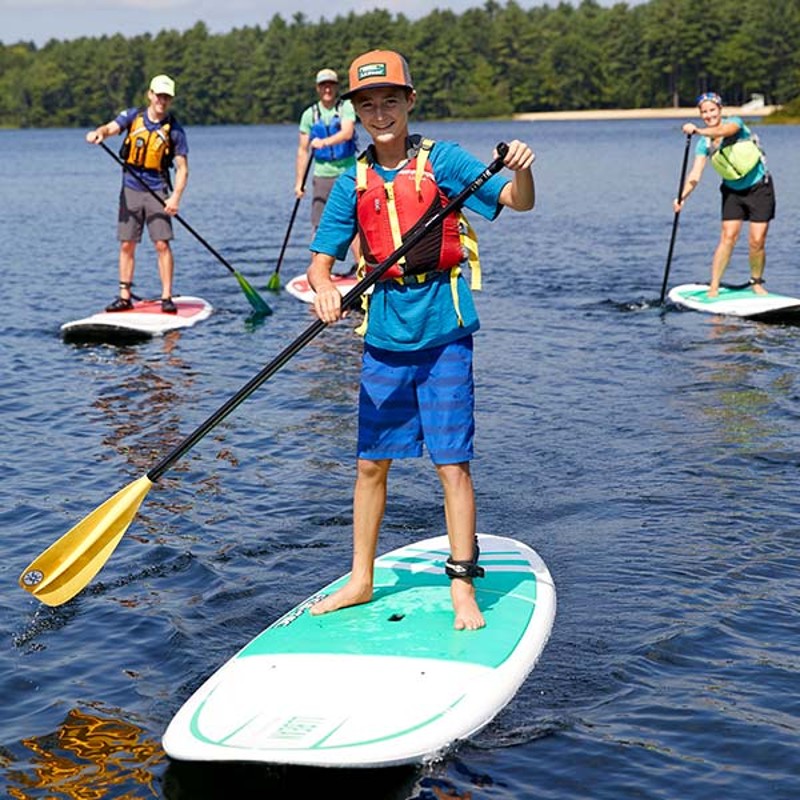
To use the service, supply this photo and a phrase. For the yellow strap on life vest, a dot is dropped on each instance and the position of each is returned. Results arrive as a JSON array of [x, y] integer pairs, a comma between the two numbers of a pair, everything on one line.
[[422, 159], [361, 172], [454, 273], [361, 330], [469, 241], [394, 220]]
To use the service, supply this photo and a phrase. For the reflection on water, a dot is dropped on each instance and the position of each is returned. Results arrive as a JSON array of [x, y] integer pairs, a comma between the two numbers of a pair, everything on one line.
[[140, 401], [741, 406], [92, 756], [140, 406], [330, 384]]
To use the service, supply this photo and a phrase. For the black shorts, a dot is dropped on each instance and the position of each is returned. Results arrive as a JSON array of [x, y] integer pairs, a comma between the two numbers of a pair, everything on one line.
[[756, 204]]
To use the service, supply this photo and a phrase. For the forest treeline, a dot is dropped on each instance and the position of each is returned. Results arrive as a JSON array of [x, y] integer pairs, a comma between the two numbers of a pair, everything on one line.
[[489, 61]]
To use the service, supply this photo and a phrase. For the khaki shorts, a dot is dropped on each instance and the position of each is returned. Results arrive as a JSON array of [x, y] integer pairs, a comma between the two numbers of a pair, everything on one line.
[[320, 189], [138, 208]]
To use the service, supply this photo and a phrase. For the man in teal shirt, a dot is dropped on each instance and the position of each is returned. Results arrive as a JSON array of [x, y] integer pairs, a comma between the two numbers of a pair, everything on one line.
[[328, 135]]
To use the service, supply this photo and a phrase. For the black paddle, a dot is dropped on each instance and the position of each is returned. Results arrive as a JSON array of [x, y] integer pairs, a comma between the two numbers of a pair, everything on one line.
[[348, 301], [253, 297], [675, 219], [274, 283], [67, 566]]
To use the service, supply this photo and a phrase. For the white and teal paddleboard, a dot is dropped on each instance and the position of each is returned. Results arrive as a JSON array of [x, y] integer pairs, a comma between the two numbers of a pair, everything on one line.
[[385, 683], [737, 302]]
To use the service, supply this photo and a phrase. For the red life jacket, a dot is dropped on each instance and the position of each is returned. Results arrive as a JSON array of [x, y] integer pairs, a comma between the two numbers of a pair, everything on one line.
[[387, 212]]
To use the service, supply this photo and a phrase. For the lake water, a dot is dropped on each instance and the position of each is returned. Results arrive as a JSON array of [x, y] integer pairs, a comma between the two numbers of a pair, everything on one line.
[[648, 454]]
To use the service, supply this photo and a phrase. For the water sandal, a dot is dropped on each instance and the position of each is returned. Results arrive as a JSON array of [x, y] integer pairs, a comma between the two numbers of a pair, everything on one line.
[[167, 306], [120, 304]]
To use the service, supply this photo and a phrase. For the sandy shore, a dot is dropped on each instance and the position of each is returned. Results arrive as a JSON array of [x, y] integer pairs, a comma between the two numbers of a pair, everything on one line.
[[639, 113]]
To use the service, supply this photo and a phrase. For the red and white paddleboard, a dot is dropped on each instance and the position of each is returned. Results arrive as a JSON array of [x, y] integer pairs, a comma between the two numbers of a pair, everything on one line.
[[300, 288], [143, 321]]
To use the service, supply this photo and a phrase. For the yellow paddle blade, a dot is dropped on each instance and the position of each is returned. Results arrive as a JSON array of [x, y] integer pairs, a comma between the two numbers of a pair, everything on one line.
[[68, 565]]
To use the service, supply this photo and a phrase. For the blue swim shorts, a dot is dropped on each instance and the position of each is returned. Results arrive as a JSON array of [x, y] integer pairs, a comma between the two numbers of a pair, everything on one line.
[[411, 398]]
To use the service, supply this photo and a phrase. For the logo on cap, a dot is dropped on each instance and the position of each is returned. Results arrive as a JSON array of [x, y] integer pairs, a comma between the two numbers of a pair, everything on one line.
[[377, 70]]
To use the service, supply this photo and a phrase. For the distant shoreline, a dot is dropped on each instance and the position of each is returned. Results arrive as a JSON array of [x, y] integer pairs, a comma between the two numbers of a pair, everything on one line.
[[637, 113]]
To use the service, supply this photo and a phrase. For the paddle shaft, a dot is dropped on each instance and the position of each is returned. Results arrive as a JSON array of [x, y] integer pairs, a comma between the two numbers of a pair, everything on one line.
[[348, 301], [675, 219], [178, 217], [294, 214]]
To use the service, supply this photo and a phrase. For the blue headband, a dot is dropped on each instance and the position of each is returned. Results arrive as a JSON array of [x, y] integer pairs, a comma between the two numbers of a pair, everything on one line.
[[712, 96]]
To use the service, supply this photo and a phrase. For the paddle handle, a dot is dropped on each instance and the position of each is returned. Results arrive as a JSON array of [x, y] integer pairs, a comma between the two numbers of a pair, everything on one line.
[[318, 326], [675, 218]]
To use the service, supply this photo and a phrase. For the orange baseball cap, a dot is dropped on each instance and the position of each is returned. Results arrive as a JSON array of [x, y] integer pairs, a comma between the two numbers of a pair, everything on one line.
[[378, 68]]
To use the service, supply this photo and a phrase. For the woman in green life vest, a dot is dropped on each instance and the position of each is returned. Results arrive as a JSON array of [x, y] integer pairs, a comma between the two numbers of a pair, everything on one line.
[[747, 187]]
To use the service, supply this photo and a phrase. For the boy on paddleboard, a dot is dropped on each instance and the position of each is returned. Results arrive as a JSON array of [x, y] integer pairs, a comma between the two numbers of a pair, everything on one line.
[[416, 380], [747, 190], [155, 140]]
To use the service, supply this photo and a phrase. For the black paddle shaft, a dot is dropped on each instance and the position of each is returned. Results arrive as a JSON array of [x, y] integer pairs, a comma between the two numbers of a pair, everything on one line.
[[294, 214], [160, 200], [675, 218], [348, 301]]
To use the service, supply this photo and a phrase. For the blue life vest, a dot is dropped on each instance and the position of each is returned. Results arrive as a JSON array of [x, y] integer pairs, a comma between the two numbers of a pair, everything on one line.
[[319, 130]]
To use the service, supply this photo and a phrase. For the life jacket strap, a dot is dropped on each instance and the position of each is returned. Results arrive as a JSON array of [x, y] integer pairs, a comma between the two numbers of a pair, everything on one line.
[[361, 272], [394, 219]]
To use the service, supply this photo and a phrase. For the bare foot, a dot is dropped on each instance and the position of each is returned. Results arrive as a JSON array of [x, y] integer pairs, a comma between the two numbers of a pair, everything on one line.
[[759, 289], [712, 293], [468, 615], [351, 594]]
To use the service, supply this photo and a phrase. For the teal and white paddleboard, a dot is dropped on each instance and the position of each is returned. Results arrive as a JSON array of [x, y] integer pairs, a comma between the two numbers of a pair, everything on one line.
[[737, 302], [385, 683]]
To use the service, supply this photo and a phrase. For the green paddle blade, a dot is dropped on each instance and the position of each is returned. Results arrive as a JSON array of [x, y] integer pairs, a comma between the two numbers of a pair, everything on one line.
[[274, 284], [254, 298], [68, 565]]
